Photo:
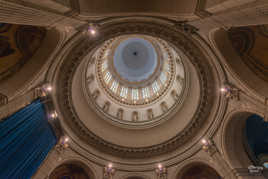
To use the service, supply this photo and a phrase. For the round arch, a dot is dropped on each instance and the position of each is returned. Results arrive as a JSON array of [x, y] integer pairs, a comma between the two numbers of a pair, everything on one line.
[[234, 63], [197, 160], [198, 170], [72, 168], [32, 72], [233, 138]]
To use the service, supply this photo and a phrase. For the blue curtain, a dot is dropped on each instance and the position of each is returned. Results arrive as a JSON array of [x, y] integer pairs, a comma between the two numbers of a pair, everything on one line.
[[25, 140]]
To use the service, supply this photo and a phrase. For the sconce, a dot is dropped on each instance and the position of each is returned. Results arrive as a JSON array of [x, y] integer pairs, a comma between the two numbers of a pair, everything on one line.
[[208, 146], [230, 91], [161, 172], [108, 171], [62, 144]]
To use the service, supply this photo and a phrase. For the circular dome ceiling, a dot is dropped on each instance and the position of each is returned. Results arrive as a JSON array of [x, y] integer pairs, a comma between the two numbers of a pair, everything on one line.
[[135, 59], [89, 88], [135, 81]]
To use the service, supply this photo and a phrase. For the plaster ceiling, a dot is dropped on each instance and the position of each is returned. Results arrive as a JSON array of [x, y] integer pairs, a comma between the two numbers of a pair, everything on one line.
[[179, 131], [18, 43], [174, 7]]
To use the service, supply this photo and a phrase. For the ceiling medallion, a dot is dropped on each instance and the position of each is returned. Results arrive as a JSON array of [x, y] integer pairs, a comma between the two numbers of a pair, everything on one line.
[[175, 36], [139, 80]]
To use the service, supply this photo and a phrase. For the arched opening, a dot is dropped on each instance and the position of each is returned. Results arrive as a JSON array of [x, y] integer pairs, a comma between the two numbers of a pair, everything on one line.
[[198, 170], [245, 53], [256, 143], [233, 140], [245, 140], [250, 43], [72, 170], [24, 51], [18, 45]]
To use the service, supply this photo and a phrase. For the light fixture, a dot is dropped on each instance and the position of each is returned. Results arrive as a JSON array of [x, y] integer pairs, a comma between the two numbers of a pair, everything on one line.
[[92, 31], [110, 165], [161, 171], [66, 139], [53, 115], [223, 89], [204, 141], [63, 144], [47, 88], [108, 171]]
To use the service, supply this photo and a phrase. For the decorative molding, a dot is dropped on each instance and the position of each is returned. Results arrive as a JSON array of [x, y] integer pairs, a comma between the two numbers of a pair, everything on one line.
[[164, 106], [135, 116], [150, 114], [120, 113], [108, 172], [90, 78], [180, 79], [176, 36], [75, 6], [95, 94], [62, 145], [161, 172], [106, 106], [187, 28], [210, 147], [200, 9], [110, 88], [231, 92], [3, 99], [175, 95]]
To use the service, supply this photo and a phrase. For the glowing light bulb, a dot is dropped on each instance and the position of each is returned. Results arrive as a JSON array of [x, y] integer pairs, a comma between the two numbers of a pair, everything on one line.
[[54, 115], [92, 31], [160, 166], [223, 89], [66, 139], [110, 165], [49, 88], [204, 141]]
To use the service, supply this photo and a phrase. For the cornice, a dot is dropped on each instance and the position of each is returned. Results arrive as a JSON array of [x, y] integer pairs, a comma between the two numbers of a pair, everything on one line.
[[178, 38]]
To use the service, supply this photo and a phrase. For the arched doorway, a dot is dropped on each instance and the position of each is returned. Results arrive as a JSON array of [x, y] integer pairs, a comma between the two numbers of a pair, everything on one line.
[[198, 170], [72, 170]]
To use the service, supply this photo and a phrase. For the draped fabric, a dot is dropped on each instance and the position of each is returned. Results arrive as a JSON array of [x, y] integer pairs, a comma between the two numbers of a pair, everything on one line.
[[25, 140]]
